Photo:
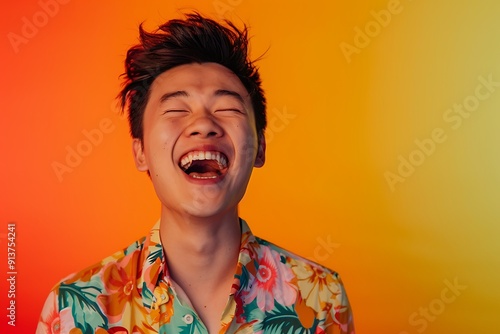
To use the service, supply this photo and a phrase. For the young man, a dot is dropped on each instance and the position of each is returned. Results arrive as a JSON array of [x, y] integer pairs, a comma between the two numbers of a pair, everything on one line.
[[197, 117]]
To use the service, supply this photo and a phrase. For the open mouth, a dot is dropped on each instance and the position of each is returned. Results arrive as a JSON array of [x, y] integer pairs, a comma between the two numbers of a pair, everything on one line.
[[204, 164]]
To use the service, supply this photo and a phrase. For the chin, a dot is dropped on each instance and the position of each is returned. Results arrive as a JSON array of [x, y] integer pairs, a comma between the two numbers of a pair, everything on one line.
[[202, 208]]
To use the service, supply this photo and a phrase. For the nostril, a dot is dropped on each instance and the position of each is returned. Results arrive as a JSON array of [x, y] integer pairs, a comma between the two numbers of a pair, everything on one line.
[[204, 126], [208, 134]]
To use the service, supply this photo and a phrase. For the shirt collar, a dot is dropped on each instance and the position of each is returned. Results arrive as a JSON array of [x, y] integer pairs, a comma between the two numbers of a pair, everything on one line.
[[152, 262], [154, 265]]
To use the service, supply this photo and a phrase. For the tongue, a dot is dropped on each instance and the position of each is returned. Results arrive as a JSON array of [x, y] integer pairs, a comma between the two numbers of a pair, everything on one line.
[[204, 168]]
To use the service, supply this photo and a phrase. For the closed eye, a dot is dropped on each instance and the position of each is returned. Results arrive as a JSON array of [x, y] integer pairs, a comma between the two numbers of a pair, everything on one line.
[[174, 111], [230, 110]]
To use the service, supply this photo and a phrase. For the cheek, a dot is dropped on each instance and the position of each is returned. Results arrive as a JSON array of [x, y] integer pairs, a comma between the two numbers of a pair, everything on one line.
[[247, 146], [159, 145], [161, 135]]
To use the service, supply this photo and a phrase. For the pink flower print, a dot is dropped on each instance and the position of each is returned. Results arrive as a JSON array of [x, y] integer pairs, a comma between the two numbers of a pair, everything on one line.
[[272, 282]]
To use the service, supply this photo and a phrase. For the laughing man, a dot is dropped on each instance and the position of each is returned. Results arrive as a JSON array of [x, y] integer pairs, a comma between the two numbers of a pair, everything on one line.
[[197, 117]]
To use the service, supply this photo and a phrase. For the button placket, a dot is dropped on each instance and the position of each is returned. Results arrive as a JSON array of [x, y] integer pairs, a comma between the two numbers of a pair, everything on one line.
[[160, 297]]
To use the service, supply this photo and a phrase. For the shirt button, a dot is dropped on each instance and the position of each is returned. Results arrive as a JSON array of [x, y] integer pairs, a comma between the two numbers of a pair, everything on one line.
[[188, 319]]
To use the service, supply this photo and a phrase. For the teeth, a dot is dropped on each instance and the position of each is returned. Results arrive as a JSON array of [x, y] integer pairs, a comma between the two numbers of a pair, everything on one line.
[[203, 155], [204, 177]]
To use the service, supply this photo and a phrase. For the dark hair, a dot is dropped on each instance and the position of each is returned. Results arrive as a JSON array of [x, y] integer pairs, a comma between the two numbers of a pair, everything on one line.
[[195, 39]]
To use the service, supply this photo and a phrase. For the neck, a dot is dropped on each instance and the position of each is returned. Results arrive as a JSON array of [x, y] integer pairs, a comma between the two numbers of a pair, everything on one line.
[[200, 251]]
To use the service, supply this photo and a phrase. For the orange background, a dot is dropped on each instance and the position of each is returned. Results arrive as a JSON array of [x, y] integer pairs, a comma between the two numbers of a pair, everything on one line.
[[352, 118]]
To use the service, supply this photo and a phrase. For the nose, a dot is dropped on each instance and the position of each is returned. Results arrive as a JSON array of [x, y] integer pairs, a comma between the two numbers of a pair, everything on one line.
[[204, 125]]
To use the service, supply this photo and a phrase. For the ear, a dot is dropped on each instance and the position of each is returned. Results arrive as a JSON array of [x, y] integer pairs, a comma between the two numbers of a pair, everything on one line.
[[261, 152], [139, 157]]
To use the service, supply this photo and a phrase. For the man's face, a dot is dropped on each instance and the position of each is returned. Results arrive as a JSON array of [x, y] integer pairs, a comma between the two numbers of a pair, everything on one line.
[[200, 143]]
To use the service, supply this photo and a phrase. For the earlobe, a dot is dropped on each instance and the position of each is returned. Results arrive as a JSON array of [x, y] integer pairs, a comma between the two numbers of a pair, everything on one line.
[[139, 157], [261, 152]]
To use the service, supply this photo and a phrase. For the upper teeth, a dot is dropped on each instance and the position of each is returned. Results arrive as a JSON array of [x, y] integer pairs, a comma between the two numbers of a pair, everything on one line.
[[203, 155]]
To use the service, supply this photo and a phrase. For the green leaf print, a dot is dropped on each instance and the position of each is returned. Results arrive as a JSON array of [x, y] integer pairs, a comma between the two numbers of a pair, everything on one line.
[[195, 328], [285, 320], [244, 278], [82, 300], [155, 255], [146, 295]]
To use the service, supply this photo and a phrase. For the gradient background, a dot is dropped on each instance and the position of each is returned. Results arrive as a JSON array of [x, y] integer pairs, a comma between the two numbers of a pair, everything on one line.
[[324, 181]]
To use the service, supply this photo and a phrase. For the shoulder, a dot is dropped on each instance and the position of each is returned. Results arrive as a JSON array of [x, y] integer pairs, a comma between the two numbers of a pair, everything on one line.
[[316, 283], [299, 263], [313, 286], [79, 293], [118, 259]]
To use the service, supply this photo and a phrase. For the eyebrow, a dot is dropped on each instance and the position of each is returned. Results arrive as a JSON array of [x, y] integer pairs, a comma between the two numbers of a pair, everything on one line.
[[218, 92], [225, 92], [171, 95]]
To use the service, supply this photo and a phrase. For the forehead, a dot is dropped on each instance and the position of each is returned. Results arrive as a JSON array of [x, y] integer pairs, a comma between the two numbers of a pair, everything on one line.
[[195, 78]]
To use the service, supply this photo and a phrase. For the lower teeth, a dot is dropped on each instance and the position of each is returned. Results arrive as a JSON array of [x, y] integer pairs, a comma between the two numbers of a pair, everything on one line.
[[203, 177]]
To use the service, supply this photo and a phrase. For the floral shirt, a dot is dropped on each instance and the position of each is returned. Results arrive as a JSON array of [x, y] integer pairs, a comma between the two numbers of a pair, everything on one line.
[[274, 291]]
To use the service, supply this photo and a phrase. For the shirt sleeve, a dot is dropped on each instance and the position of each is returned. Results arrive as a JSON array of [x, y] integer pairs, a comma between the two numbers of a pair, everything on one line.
[[53, 319], [49, 321], [342, 314]]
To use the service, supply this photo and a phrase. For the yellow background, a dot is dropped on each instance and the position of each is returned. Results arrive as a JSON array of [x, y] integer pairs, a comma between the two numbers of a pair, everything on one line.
[[350, 119]]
